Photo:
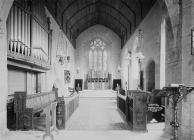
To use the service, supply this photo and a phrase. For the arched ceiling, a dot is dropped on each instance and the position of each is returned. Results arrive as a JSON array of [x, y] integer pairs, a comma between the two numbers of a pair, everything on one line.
[[121, 16]]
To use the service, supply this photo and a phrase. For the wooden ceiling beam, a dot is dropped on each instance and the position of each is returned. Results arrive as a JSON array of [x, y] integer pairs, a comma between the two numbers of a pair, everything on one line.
[[141, 8], [134, 13], [56, 7], [118, 32], [69, 5], [100, 12], [101, 3], [92, 21]]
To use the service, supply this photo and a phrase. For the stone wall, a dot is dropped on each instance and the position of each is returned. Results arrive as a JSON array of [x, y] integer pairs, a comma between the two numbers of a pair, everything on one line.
[[82, 50], [187, 114], [151, 27]]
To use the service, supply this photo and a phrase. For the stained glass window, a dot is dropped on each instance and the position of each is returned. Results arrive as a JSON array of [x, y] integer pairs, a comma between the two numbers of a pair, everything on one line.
[[97, 55], [95, 60], [104, 60], [100, 60], [90, 59]]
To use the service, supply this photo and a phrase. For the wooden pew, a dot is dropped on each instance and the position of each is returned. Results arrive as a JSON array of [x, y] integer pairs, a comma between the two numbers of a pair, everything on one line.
[[10, 113], [133, 106], [33, 111], [136, 113], [65, 108], [121, 103], [71, 104]]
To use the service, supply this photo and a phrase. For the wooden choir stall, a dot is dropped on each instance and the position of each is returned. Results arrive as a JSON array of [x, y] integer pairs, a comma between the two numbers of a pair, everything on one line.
[[66, 107], [33, 112], [133, 106], [27, 112]]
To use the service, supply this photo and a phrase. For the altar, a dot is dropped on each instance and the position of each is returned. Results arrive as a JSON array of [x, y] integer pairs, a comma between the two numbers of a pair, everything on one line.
[[98, 81]]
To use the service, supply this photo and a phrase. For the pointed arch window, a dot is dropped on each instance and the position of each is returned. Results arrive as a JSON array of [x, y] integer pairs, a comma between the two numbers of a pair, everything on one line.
[[100, 60], [95, 60], [97, 55], [104, 60], [90, 59]]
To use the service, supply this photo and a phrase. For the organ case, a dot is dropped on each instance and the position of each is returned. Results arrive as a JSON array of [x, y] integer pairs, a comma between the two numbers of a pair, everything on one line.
[[28, 33]]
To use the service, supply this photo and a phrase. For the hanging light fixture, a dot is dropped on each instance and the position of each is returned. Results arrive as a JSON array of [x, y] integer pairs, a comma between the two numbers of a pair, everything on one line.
[[60, 55]]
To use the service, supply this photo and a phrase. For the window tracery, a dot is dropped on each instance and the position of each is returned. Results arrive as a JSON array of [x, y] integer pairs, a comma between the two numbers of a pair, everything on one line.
[[97, 55]]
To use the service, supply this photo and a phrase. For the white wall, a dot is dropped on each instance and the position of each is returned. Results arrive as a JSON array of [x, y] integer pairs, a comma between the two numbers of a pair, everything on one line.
[[55, 76]]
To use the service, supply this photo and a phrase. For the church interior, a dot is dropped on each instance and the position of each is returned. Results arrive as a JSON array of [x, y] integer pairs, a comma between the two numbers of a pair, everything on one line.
[[97, 69]]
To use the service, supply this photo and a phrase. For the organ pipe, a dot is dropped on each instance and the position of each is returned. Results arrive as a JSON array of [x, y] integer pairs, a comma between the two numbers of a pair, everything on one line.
[[19, 30], [15, 28], [25, 31], [33, 34], [11, 31], [29, 49]]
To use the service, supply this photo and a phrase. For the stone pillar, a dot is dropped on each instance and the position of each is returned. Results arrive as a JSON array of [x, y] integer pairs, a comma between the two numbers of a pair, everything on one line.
[[5, 6], [174, 57], [3, 76]]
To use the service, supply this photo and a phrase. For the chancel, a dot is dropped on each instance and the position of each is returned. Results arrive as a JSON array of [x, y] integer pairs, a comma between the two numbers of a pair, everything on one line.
[[99, 66], [98, 76]]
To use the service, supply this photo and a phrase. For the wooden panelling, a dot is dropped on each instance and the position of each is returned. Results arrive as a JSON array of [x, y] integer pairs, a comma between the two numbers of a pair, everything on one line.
[[137, 109], [65, 108], [28, 108], [16, 81]]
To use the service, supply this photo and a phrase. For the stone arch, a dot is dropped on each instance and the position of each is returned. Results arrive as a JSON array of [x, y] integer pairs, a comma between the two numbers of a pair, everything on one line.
[[150, 75], [173, 13]]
